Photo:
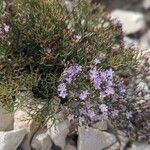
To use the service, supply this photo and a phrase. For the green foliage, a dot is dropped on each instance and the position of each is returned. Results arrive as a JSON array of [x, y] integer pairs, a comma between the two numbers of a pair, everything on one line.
[[41, 42]]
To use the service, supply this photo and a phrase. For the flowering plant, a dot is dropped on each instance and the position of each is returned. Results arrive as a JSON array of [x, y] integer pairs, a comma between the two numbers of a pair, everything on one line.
[[76, 59]]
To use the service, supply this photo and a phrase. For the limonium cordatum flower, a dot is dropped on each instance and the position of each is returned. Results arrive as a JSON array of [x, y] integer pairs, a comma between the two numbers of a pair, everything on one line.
[[128, 114], [115, 113], [6, 27], [71, 72], [84, 95], [62, 91], [103, 107]]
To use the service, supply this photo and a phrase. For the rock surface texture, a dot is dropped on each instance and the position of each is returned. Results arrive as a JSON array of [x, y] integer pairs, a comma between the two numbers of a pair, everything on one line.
[[41, 140], [132, 22], [94, 139], [10, 140], [6, 120], [22, 120], [58, 131], [139, 146]]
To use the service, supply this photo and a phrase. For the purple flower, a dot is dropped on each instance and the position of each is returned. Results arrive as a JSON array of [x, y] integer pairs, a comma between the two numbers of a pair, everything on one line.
[[97, 83], [109, 73], [109, 90], [63, 94], [72, 72], [103, 107], [130, 125], [103, 76], [115, 113], [6, 27], [82, 111], [84, 95], [122, 87], [68, 79], [91, 114], [96, 61], [129, 114], [62, 90], [88, 105], [48, 50], [77, 38], [70, 117], [94, 73]]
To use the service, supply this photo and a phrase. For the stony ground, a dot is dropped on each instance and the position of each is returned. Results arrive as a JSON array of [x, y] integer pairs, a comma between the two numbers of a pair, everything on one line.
[[19, 133]]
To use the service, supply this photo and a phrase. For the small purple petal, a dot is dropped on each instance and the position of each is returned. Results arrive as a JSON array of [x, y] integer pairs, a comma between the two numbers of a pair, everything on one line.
[[82, 111], [129, 114], [103, 107], [93, 73], [6, 28], [84, 95], [91, 114], [96, 61], [115, 113], [62, 90], [77, 37]]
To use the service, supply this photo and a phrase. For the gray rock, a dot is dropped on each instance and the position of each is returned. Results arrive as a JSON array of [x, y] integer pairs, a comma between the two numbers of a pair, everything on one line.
[[145, 40], [41, 140], [70, 147], [94, 139], [123, 139], [130, 42], [146, 4], [22, 119], [6, 119], [11, 140], [115, 146], [132, 22], [58, 130], [139, 146], [101, 125]]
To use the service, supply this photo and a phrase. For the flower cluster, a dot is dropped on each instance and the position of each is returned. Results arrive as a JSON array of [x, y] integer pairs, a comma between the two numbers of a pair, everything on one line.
[[102, 81], [4, 29], [62, 91], [71, 72], [73, 57], [91, 100]]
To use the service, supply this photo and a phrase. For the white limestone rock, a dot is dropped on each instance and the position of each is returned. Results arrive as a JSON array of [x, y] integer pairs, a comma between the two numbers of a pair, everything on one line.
[[130, 42], [123, 139], [22, 119], [58, 130], [115, 146], [146, 4], [145, 40], [41, 140], [11, 140], [95, 139], [101, 125], [70, 147], [132, 22], [6, 120]]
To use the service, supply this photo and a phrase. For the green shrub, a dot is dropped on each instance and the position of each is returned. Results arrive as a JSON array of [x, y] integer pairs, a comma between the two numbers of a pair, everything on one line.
[[65, 58]]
